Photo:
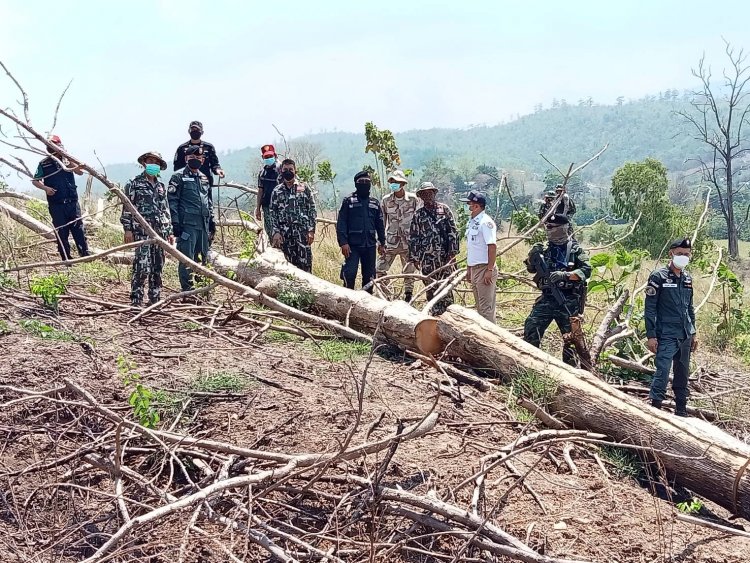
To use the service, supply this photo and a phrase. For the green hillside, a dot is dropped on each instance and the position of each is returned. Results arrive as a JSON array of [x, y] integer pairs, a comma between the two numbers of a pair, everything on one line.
[[566, 133]]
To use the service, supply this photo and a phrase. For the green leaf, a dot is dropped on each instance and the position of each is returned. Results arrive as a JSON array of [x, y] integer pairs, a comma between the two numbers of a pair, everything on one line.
[[601, 260]]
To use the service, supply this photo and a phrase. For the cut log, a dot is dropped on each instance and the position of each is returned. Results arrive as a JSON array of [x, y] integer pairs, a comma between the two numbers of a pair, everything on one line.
[[702, 457], [27, 220], [271, 274]]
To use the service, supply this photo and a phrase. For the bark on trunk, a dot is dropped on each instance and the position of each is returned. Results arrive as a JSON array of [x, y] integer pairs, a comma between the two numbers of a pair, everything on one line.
[[271, 274], [702, 457]]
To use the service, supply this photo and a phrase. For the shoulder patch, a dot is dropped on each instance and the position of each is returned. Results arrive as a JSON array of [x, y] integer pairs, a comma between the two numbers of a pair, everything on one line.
[[650, 291]]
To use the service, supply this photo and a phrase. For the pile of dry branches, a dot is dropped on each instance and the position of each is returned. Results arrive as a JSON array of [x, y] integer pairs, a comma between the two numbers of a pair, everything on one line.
[[104, 488]]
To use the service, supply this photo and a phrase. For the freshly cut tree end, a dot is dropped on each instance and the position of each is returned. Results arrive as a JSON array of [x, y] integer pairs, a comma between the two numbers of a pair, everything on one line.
[[428, 340]]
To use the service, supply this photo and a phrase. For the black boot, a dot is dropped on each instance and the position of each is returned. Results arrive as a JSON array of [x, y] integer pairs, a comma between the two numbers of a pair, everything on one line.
[[656, 404], [680, 409], [407, 296]]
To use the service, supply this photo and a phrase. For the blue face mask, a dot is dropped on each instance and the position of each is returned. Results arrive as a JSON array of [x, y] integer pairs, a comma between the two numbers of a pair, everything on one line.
[[395, 187], [269, 161], [153, 169]]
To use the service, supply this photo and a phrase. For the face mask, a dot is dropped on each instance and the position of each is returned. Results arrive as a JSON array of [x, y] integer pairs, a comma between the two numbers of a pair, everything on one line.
[[394, 187], [558, 235], [363, 188], [269, 161], [153, 169], [194, 163], [680, 261], [195, 135], [287, 175]]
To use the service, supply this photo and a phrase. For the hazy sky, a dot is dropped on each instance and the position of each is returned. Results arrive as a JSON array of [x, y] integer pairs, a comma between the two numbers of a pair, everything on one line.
[[142, 70]]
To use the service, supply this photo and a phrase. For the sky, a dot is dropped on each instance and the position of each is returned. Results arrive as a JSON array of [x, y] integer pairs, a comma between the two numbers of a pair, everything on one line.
[[142, 70]]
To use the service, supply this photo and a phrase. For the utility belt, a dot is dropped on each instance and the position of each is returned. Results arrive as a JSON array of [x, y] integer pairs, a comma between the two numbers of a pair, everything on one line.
[[63, 201]]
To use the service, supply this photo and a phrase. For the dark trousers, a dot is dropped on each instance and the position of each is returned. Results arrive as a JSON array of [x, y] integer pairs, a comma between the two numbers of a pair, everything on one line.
[[66, 218], [675, 353], [359, 254], [545, 310], [193, 243]]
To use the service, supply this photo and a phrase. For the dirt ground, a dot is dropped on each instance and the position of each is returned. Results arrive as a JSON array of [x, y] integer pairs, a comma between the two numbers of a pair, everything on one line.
[[295, 400]]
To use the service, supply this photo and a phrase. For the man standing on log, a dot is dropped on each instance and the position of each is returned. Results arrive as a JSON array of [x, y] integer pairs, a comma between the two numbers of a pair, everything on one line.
[[433, 243], [210, 164], [149, 196], [399, 207], [560, 271], [268, 179], [359, 231], [58, 182], [670, 326], [192, 213], [481, 245], [292, 217]]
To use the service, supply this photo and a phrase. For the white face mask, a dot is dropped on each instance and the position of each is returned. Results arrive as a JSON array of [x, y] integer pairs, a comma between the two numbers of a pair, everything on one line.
[[680, 261]]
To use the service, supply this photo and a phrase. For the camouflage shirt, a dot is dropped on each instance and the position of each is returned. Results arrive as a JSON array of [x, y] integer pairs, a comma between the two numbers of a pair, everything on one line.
[[398, 214], [292, 209], [433, 234], [151, 201]]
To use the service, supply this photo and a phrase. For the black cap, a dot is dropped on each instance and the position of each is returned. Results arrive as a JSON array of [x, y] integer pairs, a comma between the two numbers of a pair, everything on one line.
[[360, 175], [194, 150], [557, 219], [476, 196], [681, 243], [195, 125], [559, 187]]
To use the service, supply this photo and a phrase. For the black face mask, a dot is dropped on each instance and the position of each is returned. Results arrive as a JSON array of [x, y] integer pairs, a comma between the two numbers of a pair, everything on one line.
[[195, 135], [287, 175], [194, 163], [363, 188]]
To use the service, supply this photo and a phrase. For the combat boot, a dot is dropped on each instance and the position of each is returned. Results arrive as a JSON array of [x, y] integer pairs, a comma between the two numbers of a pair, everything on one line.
[[656, 404], [407, 296], [680, 409]]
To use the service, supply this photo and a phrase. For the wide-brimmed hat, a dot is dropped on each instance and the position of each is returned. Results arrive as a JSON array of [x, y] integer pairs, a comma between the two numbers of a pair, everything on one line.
[[398, 176], [425, 186], [154, 154]]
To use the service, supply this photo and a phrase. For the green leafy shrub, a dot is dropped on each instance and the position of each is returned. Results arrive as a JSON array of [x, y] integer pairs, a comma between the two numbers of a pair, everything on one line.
[[49, 288]]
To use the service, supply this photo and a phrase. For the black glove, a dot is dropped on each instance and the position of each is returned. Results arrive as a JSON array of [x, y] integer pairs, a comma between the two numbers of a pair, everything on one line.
[[557, 277], [177, 230], [211, 227]]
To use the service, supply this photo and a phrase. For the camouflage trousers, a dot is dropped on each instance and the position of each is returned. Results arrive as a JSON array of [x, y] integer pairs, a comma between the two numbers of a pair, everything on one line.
[[407, 267], [296, 250], [435, 270], [148, 264], [546, 310]]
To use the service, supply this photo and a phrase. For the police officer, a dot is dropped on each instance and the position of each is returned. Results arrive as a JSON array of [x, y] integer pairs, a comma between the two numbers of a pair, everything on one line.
[[58, 182], [433, 242], [268, 179], [149, 196], [399, 207], [292, 217], [670, 325], [210, 163], [191, 211], [359, 229], [568, 269]]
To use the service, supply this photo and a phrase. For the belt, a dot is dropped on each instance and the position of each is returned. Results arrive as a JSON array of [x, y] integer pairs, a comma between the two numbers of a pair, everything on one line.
[[64, 201]]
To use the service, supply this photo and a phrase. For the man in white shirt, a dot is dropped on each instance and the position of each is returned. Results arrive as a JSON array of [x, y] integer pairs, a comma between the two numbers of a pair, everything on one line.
[[481, 243]]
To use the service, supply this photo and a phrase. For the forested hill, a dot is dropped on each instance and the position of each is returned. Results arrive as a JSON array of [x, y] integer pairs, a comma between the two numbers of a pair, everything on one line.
[[567, 133]]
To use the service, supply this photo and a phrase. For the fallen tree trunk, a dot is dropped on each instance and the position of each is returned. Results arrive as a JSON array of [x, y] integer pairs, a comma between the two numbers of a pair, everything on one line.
[[702, 457]]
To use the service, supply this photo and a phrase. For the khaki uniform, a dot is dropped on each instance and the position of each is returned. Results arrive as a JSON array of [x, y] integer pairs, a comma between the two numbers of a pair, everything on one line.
[[398, 214]]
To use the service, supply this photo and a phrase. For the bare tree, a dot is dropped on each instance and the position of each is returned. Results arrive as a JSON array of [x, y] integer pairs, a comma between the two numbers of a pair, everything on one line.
[[718, 116]]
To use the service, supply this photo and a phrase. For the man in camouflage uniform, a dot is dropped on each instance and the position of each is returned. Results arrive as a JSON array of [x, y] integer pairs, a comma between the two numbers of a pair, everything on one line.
[[569, 268], [191, 209], [433, 242], [399, 207], [149, 196], [293, 216], [546, 204]]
